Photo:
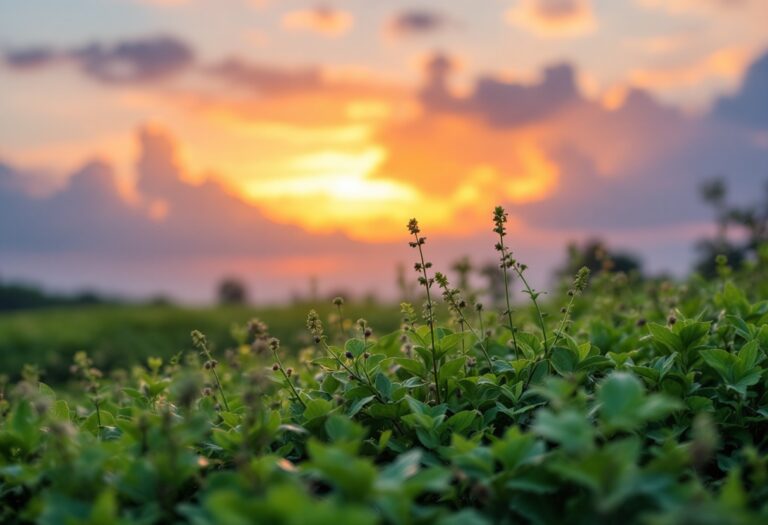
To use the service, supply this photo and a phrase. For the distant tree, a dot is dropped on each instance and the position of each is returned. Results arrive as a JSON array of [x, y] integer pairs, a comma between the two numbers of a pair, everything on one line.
[[595, 255], [232, 291], [741, 230], [494, 282]]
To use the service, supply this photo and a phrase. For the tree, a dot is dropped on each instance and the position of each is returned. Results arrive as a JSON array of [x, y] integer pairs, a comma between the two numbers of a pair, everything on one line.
[[741, 230], [595, 255], [232, 291]]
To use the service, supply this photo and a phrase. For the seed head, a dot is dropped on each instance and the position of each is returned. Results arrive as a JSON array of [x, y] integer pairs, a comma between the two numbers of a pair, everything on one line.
[[338, 301], [275, 367], [413, 227], [274, 343], [349, 355], [257, 328], [581, 279], [314, 324], [198, 339]]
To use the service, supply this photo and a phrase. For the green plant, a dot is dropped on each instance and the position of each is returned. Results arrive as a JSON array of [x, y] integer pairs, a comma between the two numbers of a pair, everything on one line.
[[647, 404]]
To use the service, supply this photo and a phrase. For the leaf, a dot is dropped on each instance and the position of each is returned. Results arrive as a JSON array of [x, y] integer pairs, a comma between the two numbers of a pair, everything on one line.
[[358, 405], [60, 411], [411, 365], [721, 361], [355, 346], [620, 395], [383, 385], [317, 407], [564, 360], [450, 369], [665, 338], [342, 428], [461, 421], [748, 355], [570, 429]]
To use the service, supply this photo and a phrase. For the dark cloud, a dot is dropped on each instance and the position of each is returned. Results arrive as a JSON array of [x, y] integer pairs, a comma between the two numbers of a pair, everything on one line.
[[90, 215], [266, 79], [31, 57], [416, 22], [128, 61], [501, 103], [749, 105]]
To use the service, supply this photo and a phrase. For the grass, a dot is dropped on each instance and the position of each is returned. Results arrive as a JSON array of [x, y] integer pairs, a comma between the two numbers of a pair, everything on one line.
[[123, 336]]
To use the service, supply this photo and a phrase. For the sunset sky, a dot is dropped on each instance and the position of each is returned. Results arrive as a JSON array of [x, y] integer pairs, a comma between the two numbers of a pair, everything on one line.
[[153, 146]]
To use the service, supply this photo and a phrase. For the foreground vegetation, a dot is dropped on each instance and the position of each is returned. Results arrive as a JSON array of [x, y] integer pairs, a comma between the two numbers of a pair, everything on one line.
[[616, 401]]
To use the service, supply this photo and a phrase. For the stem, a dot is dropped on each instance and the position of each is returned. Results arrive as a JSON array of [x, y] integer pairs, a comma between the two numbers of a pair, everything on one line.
[[506, 290], [560, 329], [287, 379], [98, 411], [355, 374], [532, 295], [431, 320], [341, 324], [221, 389], [464, 320]]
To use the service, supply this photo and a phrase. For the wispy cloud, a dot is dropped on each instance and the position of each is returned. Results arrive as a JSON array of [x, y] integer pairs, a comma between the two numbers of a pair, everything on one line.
[[127, 61], [554, 18], [416, 22], [323, 20]]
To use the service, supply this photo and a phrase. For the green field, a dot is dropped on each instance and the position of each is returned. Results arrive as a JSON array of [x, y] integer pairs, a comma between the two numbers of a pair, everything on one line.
[[123, 336]]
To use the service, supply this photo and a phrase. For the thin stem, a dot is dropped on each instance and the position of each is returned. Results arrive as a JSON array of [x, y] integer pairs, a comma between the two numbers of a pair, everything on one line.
[[341, 323], [452, 301], [355, 374], [532, 295], [287, 378], [431, 320], [506, 290], [561, 328]]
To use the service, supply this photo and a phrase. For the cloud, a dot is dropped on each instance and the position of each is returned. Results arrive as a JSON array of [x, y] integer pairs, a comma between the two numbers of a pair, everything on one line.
[[728, 64], [416, 22], [563, 162], [323, 20], [127, 61], [749, 105], [692, 6], [554, 18], [171, 218], [29, 58], [499, 102], [265, 79]]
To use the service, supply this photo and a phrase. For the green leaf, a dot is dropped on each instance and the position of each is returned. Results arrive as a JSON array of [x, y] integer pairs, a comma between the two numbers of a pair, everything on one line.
[[355, 346], [60, 411], [450, 368], [564, 360], [317, 408], [461, 421], [570, 429], [665, 338]]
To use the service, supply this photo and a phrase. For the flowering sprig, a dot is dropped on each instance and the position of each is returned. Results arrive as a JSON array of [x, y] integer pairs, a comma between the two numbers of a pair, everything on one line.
[[274, 345], [201, 343], [315, 327], [457, 305], [421, 267], [579, 285], [507, 261]]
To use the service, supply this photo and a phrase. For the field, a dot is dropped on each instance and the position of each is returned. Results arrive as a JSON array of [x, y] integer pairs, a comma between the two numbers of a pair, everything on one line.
[[122, 336], [616, 400]]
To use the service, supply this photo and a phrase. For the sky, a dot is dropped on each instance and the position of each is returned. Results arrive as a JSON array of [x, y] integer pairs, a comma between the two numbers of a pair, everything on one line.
[[155, 146]]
